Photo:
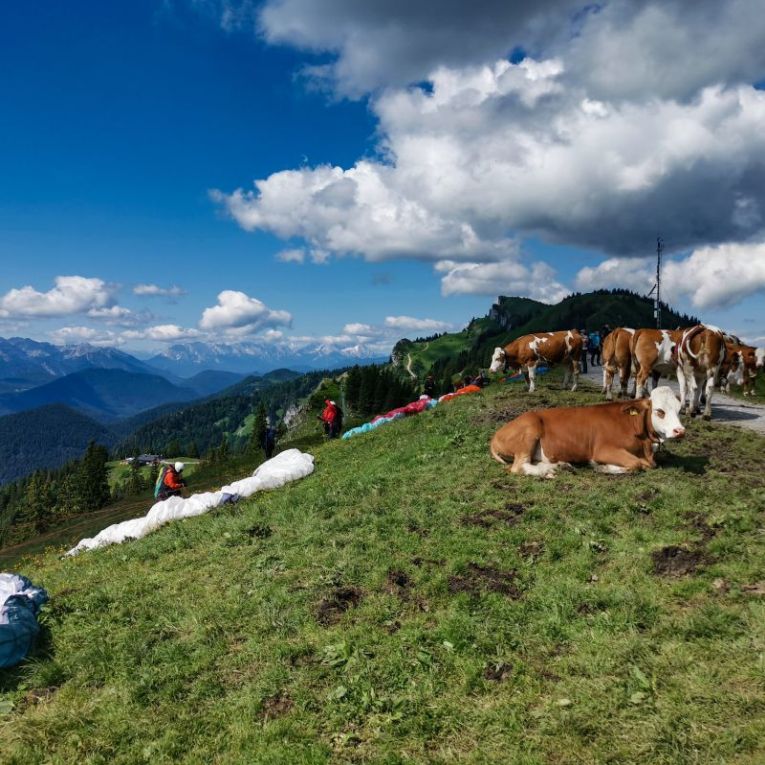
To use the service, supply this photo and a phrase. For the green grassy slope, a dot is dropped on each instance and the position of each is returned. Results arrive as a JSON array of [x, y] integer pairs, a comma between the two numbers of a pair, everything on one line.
[[413, 603]]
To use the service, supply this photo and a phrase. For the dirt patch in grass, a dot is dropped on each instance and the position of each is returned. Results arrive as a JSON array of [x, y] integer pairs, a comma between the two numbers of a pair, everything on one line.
[[498, 672], [37, 696], [478, 579], [276, 706], [259, 531], [398, 583], [418, 561], [531, 549], [698, 523], [677, 561], [508, 515], [332, 606], [497, 416]]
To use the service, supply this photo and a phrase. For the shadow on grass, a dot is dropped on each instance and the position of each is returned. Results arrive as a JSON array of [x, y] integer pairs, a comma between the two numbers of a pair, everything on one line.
[[694, 463]]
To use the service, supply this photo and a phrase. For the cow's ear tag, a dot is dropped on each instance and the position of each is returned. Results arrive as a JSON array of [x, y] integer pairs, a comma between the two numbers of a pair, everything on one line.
[[634, 412]]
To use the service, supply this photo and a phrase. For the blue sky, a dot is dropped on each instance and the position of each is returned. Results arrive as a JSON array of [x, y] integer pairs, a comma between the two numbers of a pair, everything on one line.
[[118, 119]]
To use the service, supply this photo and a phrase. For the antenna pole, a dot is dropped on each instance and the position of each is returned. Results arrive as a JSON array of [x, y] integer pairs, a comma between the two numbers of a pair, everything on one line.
[[657, 306]]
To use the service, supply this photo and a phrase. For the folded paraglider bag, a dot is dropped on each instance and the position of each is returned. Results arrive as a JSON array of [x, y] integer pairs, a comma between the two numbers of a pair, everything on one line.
[[20, 602]]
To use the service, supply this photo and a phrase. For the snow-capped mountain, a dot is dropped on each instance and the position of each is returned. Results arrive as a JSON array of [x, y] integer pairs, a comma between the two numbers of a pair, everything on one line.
[[260, 357], [27, 363]]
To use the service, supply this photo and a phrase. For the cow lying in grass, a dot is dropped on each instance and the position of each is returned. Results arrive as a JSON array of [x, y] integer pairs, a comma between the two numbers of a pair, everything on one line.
[[618, 437]]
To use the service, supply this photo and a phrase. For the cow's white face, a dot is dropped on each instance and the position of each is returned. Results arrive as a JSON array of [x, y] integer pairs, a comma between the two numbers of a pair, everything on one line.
[[497, 360], [760, 355], [665, 413], [736, 374]]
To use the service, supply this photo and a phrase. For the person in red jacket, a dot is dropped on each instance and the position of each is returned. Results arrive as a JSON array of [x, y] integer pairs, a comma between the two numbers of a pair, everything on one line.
[[173, 483], [331, 419]]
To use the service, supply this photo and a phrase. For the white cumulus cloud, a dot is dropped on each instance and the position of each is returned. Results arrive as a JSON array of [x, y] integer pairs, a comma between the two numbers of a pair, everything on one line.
[[710, 277], [70, 295], [163, 333], [79, 334], [237, 311], [509, 277], [407, 323], [631, 118]]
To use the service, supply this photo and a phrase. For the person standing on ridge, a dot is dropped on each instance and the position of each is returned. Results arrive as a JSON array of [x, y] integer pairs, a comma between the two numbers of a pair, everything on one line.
[[332, 419], [595, 348]]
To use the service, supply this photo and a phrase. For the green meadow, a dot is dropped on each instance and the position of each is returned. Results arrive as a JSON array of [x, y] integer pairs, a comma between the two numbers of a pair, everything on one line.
[[412, 602]]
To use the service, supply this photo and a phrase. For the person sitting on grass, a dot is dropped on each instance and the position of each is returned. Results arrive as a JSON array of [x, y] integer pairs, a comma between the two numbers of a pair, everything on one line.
[[172, 482]]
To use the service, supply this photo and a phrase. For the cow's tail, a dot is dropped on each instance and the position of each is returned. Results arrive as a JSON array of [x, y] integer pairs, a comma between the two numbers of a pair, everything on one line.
[[497, 456]]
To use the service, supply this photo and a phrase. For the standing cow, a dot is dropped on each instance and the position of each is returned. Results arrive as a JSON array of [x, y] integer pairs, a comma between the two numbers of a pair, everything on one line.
[[654, 353], [525, 353], [618, 437], [701, 352], [740, 365], [617, 358]]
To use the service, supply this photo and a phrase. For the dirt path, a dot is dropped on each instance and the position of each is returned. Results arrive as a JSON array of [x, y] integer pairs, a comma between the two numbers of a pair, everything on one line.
[[731, 411], [409, 366]]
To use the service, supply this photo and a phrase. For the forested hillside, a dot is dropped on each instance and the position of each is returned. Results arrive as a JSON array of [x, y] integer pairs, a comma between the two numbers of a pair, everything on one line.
[[207, 423], [45, 438], [104, 394]]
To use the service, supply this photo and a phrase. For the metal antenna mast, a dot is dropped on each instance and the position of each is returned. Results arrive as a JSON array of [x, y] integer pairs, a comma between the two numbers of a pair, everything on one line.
[[657, 307]]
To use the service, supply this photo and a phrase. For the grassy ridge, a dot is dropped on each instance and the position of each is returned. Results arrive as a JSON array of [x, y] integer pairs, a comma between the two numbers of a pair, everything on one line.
[[412, 602], [512, 317]]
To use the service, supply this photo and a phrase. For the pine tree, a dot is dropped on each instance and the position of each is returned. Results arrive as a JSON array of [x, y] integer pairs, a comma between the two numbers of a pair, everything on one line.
[[258, 435], [68, 496], [93, 478], [367, 389], [173, 448], [353, 388], [38, 502], [135, 483], [223, 449], [193, 450]]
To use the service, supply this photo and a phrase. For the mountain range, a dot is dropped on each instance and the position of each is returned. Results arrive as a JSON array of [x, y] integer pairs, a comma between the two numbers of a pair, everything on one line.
[[253, 357], [28, 363]]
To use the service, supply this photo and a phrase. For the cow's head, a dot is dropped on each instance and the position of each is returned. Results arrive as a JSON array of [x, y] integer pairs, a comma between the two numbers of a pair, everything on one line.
[[665, 413], [498, 360], [760, 354]]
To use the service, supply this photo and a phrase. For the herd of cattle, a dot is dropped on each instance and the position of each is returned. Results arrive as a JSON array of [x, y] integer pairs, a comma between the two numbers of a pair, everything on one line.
[[618, 437]]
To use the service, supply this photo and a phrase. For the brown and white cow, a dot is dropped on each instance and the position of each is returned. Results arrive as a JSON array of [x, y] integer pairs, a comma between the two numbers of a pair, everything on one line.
[[731, 371], [526, 353], [617, 437], [617, 357], [700, 352], [654, 353], [740, 365]]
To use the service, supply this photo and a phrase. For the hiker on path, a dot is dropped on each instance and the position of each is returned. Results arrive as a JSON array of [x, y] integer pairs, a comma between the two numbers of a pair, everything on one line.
[[172, 482], [595, 348], [585, 346]]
